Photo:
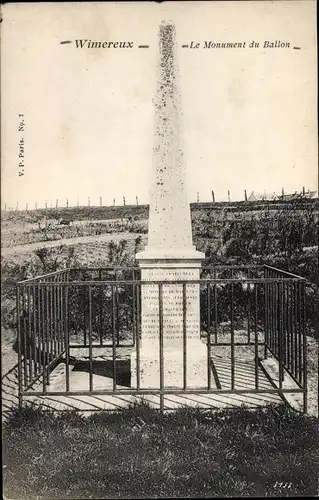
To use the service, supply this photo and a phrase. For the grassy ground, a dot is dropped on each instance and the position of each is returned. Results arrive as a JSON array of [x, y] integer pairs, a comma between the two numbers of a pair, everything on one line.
[[139, 453]]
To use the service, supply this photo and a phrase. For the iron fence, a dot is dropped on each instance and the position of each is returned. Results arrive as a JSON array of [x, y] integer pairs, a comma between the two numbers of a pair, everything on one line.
[[42, 329], [285, 323], [258, 307]]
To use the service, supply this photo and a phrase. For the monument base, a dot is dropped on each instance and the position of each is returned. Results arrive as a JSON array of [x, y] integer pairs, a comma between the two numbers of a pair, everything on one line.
[[173, 366], [170, 256], [181, 266]]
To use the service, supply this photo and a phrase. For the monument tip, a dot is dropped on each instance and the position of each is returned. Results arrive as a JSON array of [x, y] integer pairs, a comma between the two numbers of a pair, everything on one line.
[[167, 23]]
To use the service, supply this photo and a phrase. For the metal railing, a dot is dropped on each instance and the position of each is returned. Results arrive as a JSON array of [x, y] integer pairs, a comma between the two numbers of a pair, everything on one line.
[[42, 329], [285, 329], [259, 307]]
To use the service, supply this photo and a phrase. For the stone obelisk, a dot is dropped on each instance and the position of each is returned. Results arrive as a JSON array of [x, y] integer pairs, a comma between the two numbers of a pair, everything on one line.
[[170, 254]]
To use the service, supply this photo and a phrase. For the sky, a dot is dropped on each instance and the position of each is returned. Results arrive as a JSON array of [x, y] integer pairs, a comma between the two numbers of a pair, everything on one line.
[[249, 114]]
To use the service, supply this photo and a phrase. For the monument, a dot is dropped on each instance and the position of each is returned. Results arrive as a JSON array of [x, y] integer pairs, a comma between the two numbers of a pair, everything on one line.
[[170, 254]]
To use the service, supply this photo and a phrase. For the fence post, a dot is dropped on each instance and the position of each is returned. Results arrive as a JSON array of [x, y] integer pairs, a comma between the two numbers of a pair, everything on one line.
[[280, 333], [47, 335], [43, 338], [134, 309], [256, 340], [232, 336], [161, 346], [66, 336], [114, 331], [19, 347], [266, 309], [101, 308], [138, 336], [90, 339], [209, 381], [304, 347]]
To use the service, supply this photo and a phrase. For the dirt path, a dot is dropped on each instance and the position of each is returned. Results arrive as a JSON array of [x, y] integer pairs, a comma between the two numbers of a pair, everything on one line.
[[29, 247]]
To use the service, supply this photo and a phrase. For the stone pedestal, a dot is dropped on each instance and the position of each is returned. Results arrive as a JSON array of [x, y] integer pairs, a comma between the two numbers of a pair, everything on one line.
[[182, 266], [196, 375]]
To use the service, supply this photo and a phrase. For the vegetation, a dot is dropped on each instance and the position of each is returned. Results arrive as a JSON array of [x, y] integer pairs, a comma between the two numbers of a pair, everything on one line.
[[286, 238], [267, 236], [283, 235], [140, 453], [41, 261]]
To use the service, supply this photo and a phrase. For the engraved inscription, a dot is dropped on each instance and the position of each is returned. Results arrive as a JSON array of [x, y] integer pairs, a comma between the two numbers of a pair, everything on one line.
[[173, 317]]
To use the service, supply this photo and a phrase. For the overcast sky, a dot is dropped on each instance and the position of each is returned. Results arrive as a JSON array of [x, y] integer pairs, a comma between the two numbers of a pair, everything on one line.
[[249, 115]]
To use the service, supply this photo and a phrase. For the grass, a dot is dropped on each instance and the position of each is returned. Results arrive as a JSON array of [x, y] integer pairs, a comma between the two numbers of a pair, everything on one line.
[[139, 453]]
